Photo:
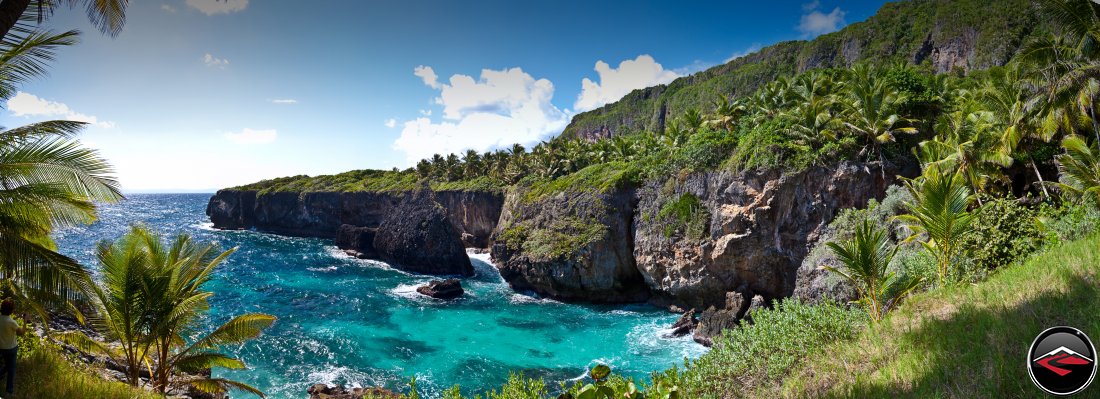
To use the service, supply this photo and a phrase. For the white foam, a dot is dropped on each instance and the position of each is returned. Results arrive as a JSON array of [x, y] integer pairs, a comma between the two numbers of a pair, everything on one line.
[[322, 269], [408, 291], [530, 298], [208, 226], [338, 253]]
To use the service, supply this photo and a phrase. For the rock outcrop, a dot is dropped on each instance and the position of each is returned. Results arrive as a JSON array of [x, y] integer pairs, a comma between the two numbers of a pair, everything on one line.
[[322, 391], [442, 289], [417, 236], [570, 246], [472, 213], [684, 325]]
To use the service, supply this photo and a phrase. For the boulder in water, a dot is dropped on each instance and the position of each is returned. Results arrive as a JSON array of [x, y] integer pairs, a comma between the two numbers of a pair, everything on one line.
[[684, 325], [418, 237], [322, 391], [442, 289]]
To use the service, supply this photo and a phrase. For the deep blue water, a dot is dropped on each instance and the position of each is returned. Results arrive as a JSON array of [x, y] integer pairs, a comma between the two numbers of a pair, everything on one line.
[[350, 321]]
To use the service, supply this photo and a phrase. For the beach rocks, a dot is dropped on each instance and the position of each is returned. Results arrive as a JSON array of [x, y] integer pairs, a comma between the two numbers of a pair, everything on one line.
[[442, 289], [418, 237], [322, 391], [684, 325]]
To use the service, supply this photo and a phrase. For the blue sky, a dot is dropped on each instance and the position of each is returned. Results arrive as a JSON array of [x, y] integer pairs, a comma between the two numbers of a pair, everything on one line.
[[195, 95]]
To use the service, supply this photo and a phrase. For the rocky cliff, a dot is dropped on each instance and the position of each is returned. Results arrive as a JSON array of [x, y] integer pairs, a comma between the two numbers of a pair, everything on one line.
[[571, 246], [472, 213]]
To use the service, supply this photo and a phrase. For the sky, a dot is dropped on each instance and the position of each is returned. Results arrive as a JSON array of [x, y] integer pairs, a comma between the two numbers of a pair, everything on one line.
[[196, 95]]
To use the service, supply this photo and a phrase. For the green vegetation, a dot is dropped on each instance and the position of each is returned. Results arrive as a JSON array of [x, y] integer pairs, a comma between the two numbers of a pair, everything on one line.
[[961, 341], [866, 258], [45, 373], [896, 33], [1003, 232], [940, 211], [561, 237], [599, 178], [685, 215], [150, 304]]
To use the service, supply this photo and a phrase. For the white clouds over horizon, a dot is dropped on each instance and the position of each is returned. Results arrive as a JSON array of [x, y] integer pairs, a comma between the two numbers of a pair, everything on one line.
[[214, 62], [29, 105], [499, 108], [284, 101], [213, 7], [391, 123], [814, 22], [614, 83], [252, 136]]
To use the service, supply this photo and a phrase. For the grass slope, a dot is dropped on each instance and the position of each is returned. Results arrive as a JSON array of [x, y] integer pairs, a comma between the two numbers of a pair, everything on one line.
[[968, 341], [42, 373]]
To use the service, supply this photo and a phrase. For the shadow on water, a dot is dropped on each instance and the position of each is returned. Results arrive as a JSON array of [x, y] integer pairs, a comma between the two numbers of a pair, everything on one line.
[[981, 352]]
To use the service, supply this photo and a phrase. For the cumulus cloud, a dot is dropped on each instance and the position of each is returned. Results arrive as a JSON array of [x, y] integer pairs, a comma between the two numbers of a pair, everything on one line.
[[495, 110], [814, 22], [391, 123], [168, 8], [214, 62], [212, 7], [615, 83], [427, 74], [252, 136], [29, 105], [285, 101]]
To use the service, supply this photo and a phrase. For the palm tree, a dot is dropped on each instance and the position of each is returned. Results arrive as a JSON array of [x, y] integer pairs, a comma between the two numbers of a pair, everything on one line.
[[812, 117], [940, 209], [47, 180], [106, 15], [150, 302], [692, 120], [1003, 94], [866, 258], [726, 114], [870, 110], [1080, 169], [966, 142]]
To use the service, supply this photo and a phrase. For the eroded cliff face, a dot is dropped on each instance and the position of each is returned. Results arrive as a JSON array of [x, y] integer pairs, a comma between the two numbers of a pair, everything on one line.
[[759, 227], [473, 214], [570, 246]]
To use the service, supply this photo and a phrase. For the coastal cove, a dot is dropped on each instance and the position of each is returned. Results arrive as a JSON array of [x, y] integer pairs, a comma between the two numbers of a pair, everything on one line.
[[349, 321]]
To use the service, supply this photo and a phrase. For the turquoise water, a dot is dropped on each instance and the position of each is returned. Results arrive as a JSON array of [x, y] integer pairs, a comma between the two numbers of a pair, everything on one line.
[[350, 321]]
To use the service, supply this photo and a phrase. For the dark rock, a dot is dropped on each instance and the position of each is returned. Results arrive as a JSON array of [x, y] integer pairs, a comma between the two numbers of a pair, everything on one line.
[[322, 391], [442, 289], [417, 237], [320, 214], [684, 325], [717, 318], [758, 302], [547, 257], [357, 241]]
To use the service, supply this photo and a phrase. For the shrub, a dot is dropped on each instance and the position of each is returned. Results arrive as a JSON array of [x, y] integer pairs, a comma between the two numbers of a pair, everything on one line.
[[687, 214], [767, 349], [1004, 232]]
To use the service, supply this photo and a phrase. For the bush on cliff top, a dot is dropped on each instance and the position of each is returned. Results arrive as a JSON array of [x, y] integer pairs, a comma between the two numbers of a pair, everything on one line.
[[373, 181], [599, 178]]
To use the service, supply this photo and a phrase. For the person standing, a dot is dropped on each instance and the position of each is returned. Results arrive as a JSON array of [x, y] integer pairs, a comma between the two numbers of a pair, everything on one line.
[[9, 342]]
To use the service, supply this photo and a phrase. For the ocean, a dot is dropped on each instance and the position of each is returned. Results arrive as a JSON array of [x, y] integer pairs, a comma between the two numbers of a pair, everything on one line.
[[358, 322]]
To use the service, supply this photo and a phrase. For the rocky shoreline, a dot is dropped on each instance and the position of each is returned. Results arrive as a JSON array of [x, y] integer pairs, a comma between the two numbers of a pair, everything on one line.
[[750, 234]]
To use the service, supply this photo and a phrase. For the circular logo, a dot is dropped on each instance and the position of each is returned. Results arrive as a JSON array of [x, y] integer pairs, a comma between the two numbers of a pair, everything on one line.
[[1062, 361]]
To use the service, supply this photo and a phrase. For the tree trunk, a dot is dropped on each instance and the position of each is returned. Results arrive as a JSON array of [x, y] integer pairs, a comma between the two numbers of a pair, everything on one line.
[[10, 11], [1042, 184]]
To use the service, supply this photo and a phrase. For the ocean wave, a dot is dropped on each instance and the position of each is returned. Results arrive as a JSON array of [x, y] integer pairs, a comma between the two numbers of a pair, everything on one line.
[[325, 269]]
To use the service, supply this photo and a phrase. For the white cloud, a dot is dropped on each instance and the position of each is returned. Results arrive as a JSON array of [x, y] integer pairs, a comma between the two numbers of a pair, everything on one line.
[[286, 101], [211, 7], [497, 109], [615, 83], [214, 62], [252, 136], [391, 123], [29, 105], [815, 22], [168, 8], [427, 74]]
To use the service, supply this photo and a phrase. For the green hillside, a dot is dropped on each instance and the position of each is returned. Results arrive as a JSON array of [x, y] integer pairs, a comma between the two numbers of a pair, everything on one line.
[[944, 35]]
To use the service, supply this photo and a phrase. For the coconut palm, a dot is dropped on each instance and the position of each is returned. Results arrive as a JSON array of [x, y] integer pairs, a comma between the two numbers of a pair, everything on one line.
[[812, 118], [939, 210], [866, 258], [1003, 94], [1080, 169], [726, 114], [966, 141], [47, 181], [150, 304], [871, 110], [106, 15]]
